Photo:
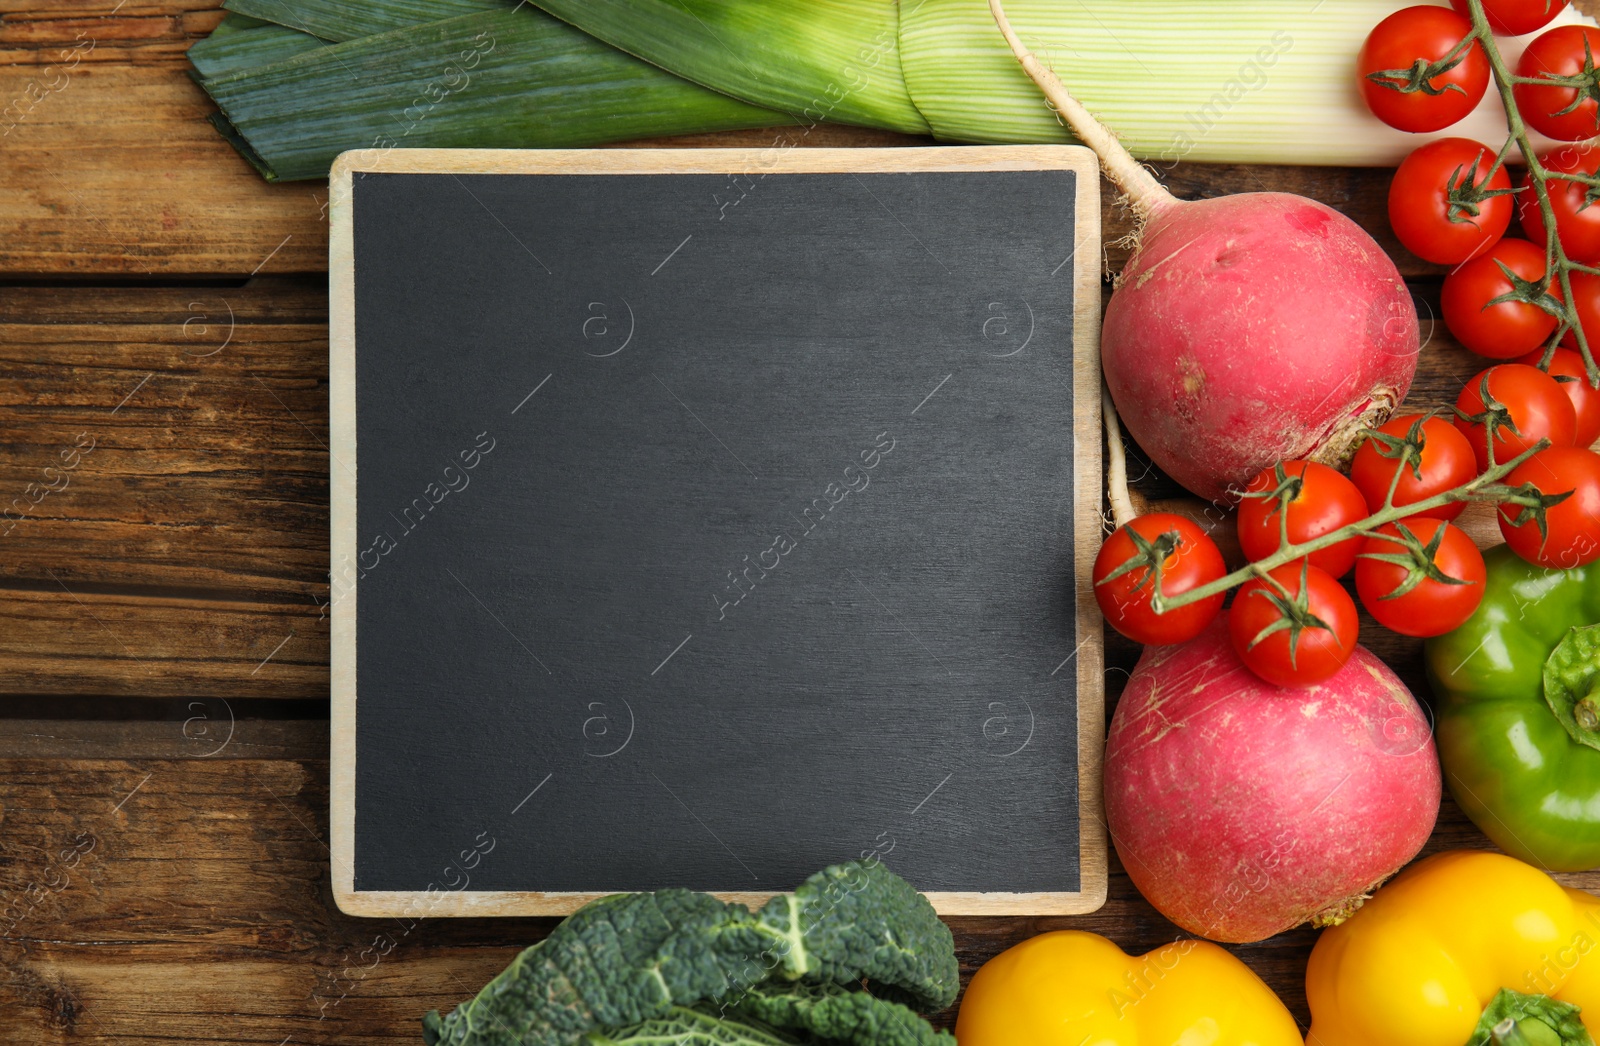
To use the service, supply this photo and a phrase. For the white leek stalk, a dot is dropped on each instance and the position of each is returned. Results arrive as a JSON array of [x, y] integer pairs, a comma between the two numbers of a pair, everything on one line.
[[1236, 81]]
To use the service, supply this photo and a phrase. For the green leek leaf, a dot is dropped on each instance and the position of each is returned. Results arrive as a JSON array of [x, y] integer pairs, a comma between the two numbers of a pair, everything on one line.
[[498, 79], [341, 20], [232, 22], [229, 52], [835, 60]]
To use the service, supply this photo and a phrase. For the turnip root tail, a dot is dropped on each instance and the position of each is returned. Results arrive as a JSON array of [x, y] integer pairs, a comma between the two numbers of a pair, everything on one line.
[[1122, 510], [1144, 193]]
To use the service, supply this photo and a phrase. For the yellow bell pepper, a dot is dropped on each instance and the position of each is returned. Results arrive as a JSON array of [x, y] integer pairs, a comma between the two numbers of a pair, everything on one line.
[[1462, 948], [1072, 988]]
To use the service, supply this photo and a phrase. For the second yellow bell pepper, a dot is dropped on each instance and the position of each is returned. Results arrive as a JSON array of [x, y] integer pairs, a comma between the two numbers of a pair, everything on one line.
[[1072, 988], [1463, 949]]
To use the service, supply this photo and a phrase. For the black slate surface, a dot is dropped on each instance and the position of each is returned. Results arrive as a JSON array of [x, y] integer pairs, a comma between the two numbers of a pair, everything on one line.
[[714, 530]]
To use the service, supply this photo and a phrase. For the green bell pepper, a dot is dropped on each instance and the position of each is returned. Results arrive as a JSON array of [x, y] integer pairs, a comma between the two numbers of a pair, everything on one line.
[[1517, 705]]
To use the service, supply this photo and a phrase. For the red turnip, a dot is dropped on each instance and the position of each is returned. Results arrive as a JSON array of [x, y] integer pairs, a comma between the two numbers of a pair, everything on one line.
[[1240, 809], [1245, 330]]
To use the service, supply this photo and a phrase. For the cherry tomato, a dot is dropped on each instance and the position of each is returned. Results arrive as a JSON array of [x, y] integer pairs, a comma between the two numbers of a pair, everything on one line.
[[1395, 45], [1323, 500], [1577, 221], [1506, 330], [1432, 605], [1572, 527], [1586, 301], [1293, 640], [1515, 17], [1191, 559], [1445, 463], [1566, 366], [1531, 401], [1420, 208], [1560, 52]]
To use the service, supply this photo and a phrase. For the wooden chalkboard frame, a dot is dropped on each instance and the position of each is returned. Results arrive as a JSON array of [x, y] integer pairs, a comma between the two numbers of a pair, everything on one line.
[[1089, 652]]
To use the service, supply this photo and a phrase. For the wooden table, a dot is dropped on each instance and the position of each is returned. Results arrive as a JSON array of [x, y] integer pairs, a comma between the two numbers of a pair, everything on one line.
[[162, 651]]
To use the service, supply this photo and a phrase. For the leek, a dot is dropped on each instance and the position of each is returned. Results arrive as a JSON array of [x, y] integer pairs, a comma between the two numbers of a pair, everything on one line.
[[233, 21], [243, 48], [837, 60], [1238, 81], [497, 79], [1257, 81], [341, 20], [1253, 81]]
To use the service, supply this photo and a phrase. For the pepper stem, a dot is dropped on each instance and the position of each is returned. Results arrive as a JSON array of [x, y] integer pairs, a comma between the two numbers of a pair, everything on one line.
[[1527, 1032], [1515, 1019], [1587, 712], [1572, 684]]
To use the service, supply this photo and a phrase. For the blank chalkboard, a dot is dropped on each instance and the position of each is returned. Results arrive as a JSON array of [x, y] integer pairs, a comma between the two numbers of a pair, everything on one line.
[[716, 516]]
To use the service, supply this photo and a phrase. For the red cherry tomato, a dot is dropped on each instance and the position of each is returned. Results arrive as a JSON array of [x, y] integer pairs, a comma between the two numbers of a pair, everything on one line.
[[1431, 606], [1393, 47], [1275, 636], [1571, 536], [1567, 368], [1191, 559], [1586, 301], [1515, 17], [1531, 401], [1446, 462], [1323, 500], [1506, 330], [1560, 52], [1577, 221], [1423, 215]]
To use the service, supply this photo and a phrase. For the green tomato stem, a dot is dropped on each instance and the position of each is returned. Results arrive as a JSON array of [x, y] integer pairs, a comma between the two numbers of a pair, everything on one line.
[[1538, 175], [1161, 603], [1557, 260]]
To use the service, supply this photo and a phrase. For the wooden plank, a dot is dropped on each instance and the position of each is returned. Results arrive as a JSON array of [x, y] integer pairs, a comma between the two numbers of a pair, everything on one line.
[[70, 640], [201, 304], [201, 728], [113, 169], [167, 436], [35, 32], [220, 865]]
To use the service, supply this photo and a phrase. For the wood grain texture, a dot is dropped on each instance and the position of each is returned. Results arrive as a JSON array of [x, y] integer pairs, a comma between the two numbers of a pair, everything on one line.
[[132, 32], [71, 640], [170, 437], [201, 909], [164, 479], [112, 168]]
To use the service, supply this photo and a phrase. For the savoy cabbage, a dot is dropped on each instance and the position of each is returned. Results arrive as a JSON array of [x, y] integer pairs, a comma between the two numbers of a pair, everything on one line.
[[683, 968]]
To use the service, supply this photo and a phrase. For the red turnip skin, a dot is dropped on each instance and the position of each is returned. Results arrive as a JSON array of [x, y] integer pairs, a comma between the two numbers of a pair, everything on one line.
[[1240, 809], [1252, 329], [1245, 330]]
